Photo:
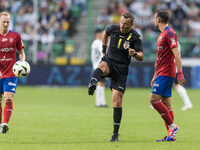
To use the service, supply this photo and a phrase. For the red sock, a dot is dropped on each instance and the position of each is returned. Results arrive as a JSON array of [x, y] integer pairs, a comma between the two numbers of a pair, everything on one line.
[[0, 112], [171, 113], [172, 116], [8, 110], [162, 110]]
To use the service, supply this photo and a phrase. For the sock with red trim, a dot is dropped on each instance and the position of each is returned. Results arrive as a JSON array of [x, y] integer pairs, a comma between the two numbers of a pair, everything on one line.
[[8, 110], [162, 110]]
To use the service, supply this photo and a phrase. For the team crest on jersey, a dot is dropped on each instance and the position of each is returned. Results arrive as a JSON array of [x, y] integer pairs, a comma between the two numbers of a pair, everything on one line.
[[10, 40], [126, 44]]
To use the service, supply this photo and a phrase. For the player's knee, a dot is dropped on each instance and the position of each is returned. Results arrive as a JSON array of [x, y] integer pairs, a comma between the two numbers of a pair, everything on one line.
[[8, 100], [117, 104], [153, 102], [103, 66]]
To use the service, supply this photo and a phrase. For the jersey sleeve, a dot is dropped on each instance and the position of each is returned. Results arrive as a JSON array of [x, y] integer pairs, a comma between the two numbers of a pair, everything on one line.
[[109, 29], [20, 44], [137, 46], [171, 39]]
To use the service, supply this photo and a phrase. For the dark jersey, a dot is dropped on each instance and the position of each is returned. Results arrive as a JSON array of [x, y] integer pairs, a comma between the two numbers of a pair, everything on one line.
[[120, 42]]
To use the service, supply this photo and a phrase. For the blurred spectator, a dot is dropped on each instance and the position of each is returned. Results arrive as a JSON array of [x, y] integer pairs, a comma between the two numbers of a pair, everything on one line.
[[185, 18], [196, 50], [105, 17]]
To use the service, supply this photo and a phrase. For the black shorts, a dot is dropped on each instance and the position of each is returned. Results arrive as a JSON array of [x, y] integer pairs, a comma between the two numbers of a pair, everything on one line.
[[118, 73]]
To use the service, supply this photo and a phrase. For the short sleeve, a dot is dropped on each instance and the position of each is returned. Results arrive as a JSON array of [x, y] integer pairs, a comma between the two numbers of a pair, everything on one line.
[[138, 44], [172, 40], [109, 29], [20, 44]]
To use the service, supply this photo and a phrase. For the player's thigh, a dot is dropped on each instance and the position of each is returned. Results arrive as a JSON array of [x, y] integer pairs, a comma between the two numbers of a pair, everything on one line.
[[1, 97], [166, 101], [1, 85], [104, 67], [8, 95], [154, 96]]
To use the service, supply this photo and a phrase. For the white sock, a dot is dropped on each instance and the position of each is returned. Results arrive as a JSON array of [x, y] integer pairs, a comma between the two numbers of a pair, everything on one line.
[[100, 95], [183, 94], [172, 126]]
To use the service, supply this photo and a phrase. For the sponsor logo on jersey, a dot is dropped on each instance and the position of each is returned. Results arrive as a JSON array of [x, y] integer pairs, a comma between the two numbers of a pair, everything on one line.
[[11, 84], [126, 44], [10, 40], [6, 59], [4, 39], [6, 49], [173, 41]]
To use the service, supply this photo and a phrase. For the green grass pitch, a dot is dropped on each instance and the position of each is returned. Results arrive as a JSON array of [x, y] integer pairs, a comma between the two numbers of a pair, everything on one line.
[[66, 119]]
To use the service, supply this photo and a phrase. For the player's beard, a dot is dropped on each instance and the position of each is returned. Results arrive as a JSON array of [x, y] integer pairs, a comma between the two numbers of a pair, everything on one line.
[[124, 30]]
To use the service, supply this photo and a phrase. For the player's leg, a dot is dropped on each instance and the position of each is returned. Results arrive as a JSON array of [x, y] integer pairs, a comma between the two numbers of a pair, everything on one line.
[[184, 96], [9, 88], [8, 96], [100, 94], [102, 70], [1, 99], [167, 102], [155, 100], [162, 90], [117, 113], [1, 108]]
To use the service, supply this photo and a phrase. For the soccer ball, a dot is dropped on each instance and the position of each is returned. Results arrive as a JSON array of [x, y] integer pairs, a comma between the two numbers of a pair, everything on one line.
[[21, 69]]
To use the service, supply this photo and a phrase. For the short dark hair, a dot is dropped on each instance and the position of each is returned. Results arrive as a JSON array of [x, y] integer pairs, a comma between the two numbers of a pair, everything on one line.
[[128, 15], [163, 15]]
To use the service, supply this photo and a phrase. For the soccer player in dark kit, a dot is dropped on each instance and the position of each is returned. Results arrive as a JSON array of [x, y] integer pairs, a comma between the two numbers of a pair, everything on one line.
[[125, 43]]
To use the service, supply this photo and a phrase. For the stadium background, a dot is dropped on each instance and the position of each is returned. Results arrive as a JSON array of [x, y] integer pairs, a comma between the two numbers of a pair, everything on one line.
[[57, 35]]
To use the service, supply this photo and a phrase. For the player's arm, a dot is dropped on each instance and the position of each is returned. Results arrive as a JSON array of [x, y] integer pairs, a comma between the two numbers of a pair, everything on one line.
[[154, 77], [177, 55], [104, 42], [138, 55], [22, 56], [136, 50]]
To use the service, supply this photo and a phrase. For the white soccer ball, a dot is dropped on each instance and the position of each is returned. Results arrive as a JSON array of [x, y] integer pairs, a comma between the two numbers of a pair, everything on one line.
[[21, 69]]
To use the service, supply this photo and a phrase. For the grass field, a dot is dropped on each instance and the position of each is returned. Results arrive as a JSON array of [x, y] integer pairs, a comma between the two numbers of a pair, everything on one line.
[[66, 119]]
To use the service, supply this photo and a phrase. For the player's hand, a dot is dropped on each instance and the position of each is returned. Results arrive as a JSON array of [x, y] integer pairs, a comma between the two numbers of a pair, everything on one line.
[[152, 81], [131, 52], [180, 77]]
